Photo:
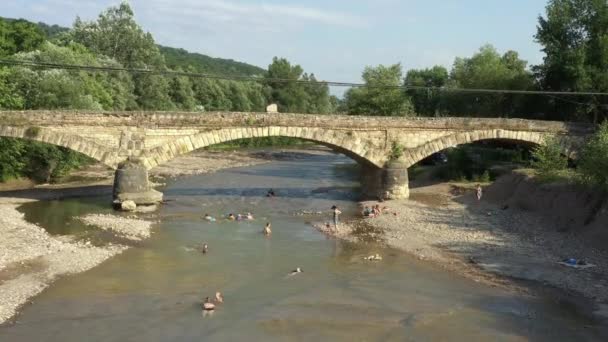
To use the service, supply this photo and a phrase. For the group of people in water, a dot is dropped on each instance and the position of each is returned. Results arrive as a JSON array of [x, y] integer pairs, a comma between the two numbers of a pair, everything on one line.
[[208, 304], [231, 217], [373, 211]]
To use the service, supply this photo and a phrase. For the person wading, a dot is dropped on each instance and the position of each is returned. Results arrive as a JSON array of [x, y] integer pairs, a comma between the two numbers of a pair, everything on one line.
[[337, 213]]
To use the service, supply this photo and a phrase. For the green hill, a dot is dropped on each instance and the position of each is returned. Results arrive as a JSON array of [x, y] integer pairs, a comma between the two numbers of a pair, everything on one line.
[[180, 58]]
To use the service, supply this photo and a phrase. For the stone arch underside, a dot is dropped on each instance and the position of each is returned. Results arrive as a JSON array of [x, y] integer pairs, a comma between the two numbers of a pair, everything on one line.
[[415, 155], [341, 141], [73, 142]]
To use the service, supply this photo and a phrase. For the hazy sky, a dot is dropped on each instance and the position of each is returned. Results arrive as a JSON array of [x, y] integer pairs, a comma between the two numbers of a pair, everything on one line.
[[334, 39]]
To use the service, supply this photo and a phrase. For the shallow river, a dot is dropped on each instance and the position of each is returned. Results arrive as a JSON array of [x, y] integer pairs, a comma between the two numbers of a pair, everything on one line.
[[153, 292]]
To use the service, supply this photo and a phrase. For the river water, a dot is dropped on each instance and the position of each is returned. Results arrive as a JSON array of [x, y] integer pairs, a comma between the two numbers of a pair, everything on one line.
[[153, 292]]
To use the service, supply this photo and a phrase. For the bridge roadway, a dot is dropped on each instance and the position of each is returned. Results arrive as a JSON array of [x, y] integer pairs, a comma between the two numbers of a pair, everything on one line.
[[135, 142]]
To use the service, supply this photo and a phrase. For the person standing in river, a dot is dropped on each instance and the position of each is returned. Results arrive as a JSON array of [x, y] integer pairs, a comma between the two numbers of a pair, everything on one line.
[[267, 231], [479, 192], [337, 213]]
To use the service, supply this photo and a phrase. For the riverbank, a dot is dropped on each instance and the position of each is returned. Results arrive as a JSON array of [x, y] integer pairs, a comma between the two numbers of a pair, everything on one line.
[[31, 259], [490, 243]]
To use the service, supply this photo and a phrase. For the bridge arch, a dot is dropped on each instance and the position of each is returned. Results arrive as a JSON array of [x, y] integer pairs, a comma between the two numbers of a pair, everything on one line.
[[341, 141], [73, 142], [415, 155]]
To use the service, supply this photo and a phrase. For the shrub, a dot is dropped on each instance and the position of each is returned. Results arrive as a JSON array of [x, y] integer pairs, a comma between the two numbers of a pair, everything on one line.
[[593, 164], [548, 158], [396, 151]]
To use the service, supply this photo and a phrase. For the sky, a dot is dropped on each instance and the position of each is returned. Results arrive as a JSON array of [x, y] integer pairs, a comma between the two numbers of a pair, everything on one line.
[[333, 39]]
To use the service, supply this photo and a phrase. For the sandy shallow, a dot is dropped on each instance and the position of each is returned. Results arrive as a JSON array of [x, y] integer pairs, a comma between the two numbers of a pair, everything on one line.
[[485, 242], [30, 258]]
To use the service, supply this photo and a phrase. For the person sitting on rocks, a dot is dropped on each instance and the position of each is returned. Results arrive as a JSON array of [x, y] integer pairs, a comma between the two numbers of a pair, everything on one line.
[[367, 212]]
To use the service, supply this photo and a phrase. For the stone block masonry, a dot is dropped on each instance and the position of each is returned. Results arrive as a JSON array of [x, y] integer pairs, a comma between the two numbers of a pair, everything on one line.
[[148, 139]]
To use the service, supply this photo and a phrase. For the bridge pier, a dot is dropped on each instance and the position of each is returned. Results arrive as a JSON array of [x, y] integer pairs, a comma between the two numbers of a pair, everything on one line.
[[390, 182], [131, 184]]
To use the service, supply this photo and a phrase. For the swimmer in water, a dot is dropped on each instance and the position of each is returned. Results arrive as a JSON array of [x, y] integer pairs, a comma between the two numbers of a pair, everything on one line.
[[209, 218], [205, 248], [267, 231], [294, 272], [249, 216], [270, 193], [208, 305], [219, 299], [231, 217]]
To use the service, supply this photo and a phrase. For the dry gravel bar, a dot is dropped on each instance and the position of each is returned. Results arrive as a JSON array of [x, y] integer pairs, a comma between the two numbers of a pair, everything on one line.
[[31, 259], [132, 229]]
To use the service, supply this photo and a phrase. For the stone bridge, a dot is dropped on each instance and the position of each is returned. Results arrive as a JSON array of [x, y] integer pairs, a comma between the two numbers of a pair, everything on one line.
[[134, 142]]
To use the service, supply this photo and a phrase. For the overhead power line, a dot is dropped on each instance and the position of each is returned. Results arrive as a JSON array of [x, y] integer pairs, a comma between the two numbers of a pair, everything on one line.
[[12, 62]]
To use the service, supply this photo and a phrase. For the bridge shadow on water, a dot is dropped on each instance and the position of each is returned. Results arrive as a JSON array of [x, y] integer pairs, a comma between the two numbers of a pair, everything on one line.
[[59, 193], [331, 192]]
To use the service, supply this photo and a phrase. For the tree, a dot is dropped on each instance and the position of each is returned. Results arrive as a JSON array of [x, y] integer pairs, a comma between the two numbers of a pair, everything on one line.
[[487, 69], [19, 36], [50, 89], [427, 102], [181, 92], [117, 35], [381, 96], [302, 93], [574, 36], [549, 160]]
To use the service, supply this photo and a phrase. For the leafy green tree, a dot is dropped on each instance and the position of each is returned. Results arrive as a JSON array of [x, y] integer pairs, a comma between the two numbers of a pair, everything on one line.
[[549, 160], [289, 96], [427, 102], [381, 95], [574, 36], [180, 91], [117, 35], [487, 69], [50, 89], [19, 36], [593, 164], [301, 94]]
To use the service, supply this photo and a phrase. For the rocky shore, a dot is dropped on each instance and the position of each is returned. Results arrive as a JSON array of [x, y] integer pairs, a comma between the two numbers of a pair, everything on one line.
[[31, 259], [496, 245]]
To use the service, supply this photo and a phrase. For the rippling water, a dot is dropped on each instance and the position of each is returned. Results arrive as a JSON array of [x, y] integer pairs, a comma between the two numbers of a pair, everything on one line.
[[153, 292]]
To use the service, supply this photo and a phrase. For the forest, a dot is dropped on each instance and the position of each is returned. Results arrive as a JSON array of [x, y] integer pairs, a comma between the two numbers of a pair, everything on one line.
[[573, 35]]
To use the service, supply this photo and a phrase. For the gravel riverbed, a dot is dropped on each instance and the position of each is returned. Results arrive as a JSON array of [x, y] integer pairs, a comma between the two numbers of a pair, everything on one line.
[[485, 242], [129, 228], [30, 258]]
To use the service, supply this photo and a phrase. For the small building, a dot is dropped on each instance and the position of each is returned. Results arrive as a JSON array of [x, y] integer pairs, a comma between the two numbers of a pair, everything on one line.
[[272, 108]]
